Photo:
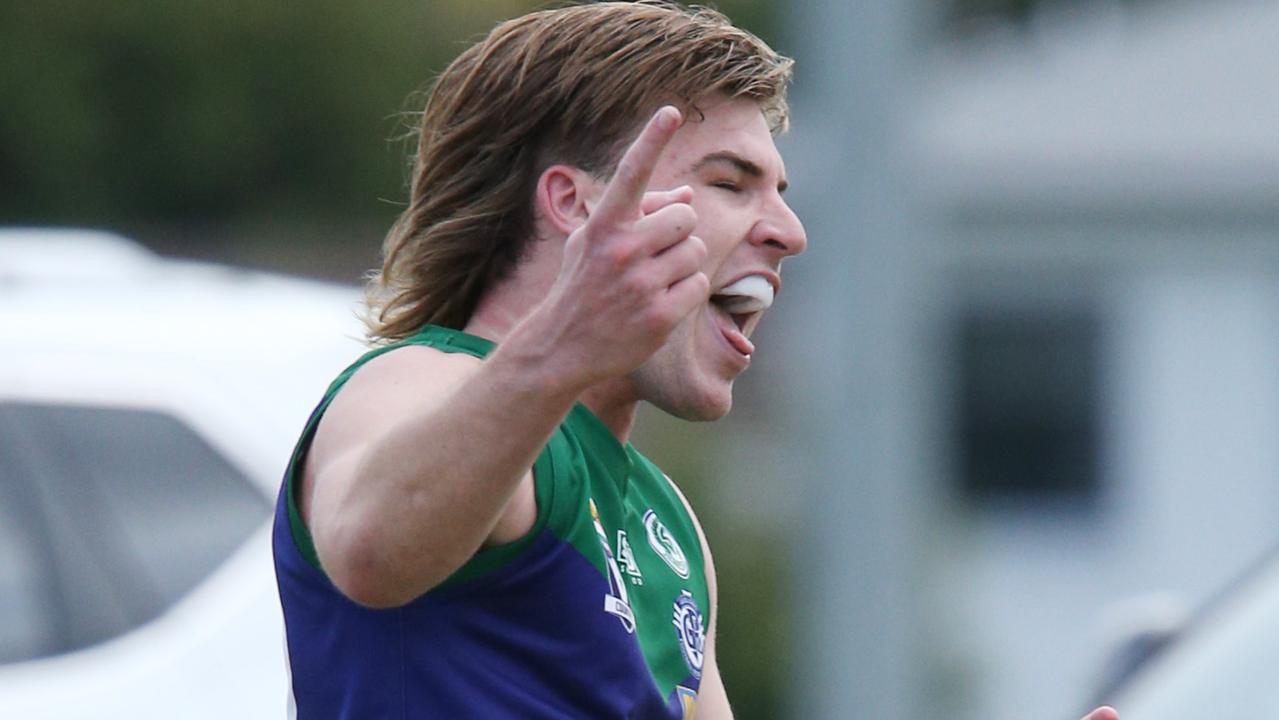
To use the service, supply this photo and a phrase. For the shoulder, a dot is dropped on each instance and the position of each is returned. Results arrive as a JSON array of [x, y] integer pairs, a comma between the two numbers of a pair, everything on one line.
[[384, 390], [405, 375]]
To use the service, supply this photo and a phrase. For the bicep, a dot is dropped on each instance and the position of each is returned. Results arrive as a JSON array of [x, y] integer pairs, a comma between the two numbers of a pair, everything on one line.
[[388, 391], [380, 395]]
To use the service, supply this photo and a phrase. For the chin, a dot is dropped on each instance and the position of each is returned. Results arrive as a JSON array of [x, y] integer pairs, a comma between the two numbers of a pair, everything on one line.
[[679, 381], [708, 415], [704, 406]]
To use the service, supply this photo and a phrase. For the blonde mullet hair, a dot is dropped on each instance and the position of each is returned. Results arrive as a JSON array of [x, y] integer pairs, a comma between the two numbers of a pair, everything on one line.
[[569, 85]]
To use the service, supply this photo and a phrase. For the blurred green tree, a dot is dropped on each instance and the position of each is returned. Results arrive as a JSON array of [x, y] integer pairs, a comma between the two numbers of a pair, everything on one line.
[[208, 112], [204, 111]]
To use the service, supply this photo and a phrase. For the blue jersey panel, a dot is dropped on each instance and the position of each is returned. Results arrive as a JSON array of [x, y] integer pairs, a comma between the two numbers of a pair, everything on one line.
[[526, 641]]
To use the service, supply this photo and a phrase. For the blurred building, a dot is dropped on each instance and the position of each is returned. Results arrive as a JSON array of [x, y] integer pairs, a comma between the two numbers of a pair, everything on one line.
[[1105, 197]]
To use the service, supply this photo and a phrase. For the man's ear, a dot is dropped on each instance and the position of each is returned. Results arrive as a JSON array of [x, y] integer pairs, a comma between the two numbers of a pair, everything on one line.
[[565, 197]]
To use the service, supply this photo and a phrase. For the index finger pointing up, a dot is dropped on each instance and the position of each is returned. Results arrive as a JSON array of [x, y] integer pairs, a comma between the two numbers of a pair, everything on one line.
[[626, 189]]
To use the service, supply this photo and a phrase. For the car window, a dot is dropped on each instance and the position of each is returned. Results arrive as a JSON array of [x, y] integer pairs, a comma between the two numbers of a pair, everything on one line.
[[23, 619], [109, 516]]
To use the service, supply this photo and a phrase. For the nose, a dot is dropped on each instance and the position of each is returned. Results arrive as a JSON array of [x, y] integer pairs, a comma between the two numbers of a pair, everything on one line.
[[780, 229]]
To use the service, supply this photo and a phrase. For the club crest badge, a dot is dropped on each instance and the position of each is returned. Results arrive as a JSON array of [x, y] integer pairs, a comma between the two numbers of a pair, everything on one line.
[[692, 635], [663, 543]]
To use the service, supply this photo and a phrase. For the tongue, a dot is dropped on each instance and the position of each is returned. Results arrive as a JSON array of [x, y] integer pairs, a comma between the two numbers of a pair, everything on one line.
[[739, 341], [733, 334]]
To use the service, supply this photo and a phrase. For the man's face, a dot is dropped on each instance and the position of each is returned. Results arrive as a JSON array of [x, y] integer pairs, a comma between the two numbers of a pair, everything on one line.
[[737, 176]]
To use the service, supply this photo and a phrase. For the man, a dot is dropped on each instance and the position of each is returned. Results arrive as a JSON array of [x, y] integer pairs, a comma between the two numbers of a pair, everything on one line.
[[596, 220]]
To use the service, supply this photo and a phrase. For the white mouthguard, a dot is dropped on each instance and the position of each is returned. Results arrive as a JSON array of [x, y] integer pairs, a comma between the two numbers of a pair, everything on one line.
[[750, 294]]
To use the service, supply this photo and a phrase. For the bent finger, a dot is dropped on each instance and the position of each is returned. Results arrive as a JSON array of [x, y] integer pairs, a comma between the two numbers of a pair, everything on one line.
[[690, 292], [681, 259], [658, 199], [666, 227]]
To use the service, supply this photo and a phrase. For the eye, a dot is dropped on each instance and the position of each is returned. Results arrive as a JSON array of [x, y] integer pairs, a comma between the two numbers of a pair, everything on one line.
[[728, 185]]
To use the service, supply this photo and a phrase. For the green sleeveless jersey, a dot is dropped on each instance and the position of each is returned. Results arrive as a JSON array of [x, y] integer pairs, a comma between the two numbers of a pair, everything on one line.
[[600, 611]]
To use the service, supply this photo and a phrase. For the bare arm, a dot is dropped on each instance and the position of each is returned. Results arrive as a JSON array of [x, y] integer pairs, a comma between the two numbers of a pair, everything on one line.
[[424, 457], [420, 459]]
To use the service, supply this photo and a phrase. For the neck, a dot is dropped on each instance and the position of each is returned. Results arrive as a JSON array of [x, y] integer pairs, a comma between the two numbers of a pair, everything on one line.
[[493, 320], [615, 404], [504, 304]]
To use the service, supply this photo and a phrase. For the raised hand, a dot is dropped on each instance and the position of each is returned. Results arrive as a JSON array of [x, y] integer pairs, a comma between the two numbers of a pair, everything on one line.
[[632, 271], [1103, 713]]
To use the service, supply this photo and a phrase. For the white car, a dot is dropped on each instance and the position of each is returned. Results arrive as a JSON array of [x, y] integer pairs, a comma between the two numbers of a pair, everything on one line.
[[147, 410], [1223, 663]]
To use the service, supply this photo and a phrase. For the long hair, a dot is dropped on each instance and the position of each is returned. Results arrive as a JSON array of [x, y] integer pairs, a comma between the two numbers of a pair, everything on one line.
[[570, 85]]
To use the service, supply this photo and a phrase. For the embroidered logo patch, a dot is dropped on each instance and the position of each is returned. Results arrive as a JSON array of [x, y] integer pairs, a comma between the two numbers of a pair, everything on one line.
[[663, 543], [692, 636], [616, 602], [626, 559]]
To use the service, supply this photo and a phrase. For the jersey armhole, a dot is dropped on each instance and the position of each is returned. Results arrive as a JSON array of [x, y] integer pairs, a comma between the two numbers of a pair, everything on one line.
[[298, 530]]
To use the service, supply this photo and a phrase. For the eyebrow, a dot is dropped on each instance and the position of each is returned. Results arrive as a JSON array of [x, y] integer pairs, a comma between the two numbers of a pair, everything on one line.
[[740, 163]]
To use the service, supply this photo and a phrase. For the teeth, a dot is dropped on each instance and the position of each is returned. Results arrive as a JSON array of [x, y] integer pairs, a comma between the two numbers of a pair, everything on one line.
[[750, 294]]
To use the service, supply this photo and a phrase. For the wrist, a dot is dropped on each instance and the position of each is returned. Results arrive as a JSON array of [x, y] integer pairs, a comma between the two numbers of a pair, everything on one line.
[[538, 362]]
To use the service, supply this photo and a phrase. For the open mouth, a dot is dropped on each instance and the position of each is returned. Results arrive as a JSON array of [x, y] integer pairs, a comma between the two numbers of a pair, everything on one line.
[[740, 304], [744, 299]]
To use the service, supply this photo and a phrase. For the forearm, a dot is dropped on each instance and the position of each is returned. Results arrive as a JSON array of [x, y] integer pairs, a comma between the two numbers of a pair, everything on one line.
[[413, 505]]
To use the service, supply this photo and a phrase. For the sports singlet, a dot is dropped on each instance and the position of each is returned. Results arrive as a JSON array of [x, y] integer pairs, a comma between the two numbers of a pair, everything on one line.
[[598, 612]]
